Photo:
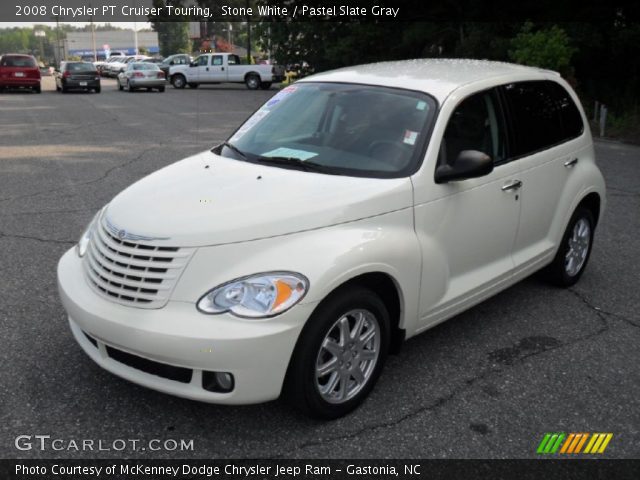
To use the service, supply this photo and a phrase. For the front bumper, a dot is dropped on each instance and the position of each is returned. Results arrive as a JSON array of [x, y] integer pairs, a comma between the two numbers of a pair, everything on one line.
[[256, 352]]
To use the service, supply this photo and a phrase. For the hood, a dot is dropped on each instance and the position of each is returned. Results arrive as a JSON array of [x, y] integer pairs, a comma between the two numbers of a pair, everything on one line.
[[211, 200]]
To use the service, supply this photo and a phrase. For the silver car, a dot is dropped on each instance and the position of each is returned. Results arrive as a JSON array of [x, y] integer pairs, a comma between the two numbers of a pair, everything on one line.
[[142, 75]]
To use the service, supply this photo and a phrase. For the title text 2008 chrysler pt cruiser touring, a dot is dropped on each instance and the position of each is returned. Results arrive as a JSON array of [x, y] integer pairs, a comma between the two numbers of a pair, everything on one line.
[[356, 208]]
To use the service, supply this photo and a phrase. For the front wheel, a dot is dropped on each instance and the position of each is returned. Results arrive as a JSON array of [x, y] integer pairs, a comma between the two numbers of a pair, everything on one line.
[[574, 251], [339, 355]]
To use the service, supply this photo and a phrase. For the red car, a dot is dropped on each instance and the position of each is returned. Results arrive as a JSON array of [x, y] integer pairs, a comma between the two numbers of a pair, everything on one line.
[[19, 71]]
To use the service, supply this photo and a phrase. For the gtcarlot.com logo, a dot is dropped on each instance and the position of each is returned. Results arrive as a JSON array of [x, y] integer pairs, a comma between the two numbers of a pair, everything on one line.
[[47, 442], [574, 443]]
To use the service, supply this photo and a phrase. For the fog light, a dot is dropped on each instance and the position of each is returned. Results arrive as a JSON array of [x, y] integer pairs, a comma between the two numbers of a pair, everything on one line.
[[220, 382]]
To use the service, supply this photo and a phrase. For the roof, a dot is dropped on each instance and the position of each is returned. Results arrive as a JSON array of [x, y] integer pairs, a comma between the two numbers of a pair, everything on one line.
[[439, 77]]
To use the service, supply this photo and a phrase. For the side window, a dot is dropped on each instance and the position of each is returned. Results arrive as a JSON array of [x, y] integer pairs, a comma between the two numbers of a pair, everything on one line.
[[475, 124], [535, 117], [572, 125], [232, 60], [202, 61], [217, 60]]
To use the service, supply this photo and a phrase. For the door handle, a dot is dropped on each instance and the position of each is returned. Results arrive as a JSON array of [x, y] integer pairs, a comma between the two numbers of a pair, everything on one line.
[[222, 69], [515, 185], [207, 69], [571, 163]]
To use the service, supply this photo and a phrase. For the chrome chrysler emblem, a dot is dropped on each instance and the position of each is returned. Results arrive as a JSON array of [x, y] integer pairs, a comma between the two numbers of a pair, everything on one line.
[[122, 234]]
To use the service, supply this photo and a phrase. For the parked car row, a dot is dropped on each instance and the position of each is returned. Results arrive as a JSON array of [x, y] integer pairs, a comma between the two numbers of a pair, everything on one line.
[[85, 76]]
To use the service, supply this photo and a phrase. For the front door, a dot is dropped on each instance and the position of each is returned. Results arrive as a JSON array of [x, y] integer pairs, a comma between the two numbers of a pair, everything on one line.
[[467, 228]]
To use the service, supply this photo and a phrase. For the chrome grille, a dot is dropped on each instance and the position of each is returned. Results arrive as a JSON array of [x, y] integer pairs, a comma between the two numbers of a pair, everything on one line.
[[132, 272]]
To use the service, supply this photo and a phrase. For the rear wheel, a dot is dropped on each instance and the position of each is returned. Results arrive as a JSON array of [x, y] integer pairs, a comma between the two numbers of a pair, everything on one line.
[[63, 89], [37, 88], [252, 81], [339, 355], [178, 81], [161, 89], [129, 87], [98, 89], [574, 251], [265, 85]]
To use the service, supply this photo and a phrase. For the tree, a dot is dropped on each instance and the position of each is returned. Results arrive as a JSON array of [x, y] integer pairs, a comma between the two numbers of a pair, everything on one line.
[[173, 36], [546, 48]]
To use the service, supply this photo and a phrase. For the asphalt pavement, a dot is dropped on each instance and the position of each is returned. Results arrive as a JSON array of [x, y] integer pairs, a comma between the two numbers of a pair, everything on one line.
[[486, 384]]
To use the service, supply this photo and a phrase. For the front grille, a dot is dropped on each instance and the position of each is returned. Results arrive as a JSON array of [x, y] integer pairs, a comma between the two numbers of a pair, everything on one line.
[[177, 374], [133, 273]]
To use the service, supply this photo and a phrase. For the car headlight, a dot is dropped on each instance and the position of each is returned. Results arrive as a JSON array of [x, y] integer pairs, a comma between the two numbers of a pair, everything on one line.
[[83, 243], [256, 296]]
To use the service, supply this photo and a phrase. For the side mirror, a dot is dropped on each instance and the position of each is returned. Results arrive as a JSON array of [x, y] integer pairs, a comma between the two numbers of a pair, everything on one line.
[[468, 164]]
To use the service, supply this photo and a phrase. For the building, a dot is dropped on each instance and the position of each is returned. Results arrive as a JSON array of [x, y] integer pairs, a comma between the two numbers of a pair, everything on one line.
[[81, 44]]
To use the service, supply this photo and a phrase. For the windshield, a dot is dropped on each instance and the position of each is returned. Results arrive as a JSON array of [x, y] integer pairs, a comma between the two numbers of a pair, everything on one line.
[[345, 129]]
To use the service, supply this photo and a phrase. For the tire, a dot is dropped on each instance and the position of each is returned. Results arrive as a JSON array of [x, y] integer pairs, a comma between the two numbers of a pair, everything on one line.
[[98, 89], [574, 251], [252, 81], [265, 85], [63, 89], [161, 89], [120, 87], [38, 88], [302, 388], [193, 85], [130, 88], [178, 81]]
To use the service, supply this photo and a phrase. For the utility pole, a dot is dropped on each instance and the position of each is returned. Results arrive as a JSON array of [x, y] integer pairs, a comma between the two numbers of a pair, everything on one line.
[[248, 35], [135, 37], [58, 55], [93, 40]]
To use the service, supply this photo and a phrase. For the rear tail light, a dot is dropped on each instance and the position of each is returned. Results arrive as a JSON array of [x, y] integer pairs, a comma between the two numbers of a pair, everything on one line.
[[160, 74], [138, 74], [66, 74]]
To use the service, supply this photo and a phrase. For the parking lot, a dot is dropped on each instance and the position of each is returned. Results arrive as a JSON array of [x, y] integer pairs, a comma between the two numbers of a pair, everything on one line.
[[488, 383]]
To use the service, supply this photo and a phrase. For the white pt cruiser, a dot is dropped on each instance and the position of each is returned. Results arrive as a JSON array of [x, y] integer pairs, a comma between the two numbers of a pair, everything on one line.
[[356, 208]]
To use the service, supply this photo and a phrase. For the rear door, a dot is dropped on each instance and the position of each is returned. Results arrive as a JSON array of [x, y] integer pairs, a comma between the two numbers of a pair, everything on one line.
[[199, 72], [218, 71], [544, 120]]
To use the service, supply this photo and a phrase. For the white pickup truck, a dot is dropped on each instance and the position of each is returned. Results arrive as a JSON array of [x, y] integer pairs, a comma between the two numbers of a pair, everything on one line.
[[223, 68]]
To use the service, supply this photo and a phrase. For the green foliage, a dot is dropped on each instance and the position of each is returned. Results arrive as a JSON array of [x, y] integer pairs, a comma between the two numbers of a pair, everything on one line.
[[546, 48], [173, 37]]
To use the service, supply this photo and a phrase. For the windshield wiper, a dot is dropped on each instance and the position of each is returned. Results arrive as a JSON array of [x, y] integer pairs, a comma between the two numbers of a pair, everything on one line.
[[305, 165], [230, 146]]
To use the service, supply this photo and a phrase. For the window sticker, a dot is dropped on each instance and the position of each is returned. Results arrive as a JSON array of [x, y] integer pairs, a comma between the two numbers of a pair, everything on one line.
[[410, 137], [290, 153], [280, 96], [248, 125], [421, 105]]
